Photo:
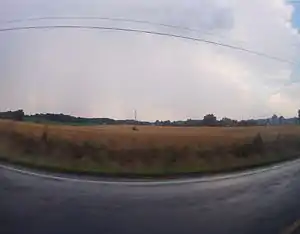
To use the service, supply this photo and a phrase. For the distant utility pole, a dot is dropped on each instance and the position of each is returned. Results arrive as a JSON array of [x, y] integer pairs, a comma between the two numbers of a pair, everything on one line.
[[135, 115], [134, 128]]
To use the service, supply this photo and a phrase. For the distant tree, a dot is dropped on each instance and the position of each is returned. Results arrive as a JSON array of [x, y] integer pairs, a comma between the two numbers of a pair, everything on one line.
[[274, 120], [281, 120], [19, 115], [246, 123], [227, 122], [13, 115], [193, 122], [242, 123], [166, 123], [209, 120], [157, 123]]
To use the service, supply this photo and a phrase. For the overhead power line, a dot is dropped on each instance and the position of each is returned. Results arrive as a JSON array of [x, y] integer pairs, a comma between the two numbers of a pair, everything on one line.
[[130, 20], [148, 32], [102, 18], [146, 22]]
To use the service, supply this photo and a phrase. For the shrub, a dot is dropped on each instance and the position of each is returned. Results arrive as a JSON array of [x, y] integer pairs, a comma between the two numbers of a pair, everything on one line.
[[135, 128], [45, 134], [257, 144]]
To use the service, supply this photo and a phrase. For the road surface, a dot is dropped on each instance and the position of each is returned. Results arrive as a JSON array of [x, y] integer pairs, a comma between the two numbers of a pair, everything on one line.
[[263, 201]]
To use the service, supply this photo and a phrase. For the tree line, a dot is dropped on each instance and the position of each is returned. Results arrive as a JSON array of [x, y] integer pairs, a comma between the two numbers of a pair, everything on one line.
[[13, 115], [208, 120]]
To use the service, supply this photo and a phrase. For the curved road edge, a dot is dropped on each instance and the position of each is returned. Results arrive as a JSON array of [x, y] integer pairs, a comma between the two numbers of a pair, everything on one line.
[[143, 182]]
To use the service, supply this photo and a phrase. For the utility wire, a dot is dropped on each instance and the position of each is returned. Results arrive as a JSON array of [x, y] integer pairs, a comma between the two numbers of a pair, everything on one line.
[[206, 32], [148, 32], [203, 32], [101, 18]]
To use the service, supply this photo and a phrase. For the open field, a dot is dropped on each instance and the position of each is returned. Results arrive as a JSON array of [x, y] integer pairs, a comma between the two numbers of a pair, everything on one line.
[[149, 151]]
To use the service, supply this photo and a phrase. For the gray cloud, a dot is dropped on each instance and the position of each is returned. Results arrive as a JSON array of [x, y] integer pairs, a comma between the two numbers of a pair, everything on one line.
[[93, 73]]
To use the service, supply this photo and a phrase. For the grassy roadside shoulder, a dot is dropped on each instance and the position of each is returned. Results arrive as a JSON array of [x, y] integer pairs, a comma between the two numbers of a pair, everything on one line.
[[50, 152], [105, 173]]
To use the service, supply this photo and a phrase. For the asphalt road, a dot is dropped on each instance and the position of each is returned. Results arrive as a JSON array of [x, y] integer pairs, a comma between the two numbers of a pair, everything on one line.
[[265, 202]]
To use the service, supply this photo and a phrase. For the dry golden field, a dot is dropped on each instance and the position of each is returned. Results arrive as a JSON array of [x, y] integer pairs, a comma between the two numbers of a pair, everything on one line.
[[150, 150]]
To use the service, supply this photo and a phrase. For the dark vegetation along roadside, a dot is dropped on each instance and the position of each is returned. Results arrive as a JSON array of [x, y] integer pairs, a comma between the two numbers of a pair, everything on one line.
[[150, 151]]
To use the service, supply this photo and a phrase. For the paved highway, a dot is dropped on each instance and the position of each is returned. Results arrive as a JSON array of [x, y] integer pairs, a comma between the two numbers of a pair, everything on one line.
[[264, 201]]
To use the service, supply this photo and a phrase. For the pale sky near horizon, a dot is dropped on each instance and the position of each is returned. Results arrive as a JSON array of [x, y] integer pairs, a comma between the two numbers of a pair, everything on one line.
[[109, 74]]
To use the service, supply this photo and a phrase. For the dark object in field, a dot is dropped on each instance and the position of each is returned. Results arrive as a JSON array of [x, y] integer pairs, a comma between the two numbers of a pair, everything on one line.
[[255, 147]]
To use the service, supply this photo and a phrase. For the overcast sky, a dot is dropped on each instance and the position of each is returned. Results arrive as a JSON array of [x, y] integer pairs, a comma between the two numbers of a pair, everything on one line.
[[109, 74]]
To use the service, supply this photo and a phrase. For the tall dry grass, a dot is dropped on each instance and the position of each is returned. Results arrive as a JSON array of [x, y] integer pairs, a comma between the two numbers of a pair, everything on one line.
[[119, 149]]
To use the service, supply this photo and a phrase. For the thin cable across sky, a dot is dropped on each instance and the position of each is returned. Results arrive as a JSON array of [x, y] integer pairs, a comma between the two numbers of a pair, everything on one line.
[[129, 20], [148, 32], [104, 18]]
